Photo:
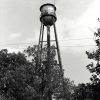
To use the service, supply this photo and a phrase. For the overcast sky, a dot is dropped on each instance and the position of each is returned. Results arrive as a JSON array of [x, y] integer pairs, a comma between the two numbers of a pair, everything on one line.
[[76, 22]]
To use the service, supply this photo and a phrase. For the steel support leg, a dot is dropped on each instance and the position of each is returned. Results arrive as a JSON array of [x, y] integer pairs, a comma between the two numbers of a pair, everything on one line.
[[59, 58]]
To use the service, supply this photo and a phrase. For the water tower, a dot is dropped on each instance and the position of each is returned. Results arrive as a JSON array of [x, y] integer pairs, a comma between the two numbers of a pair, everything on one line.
[[48, 19], [48, 15]]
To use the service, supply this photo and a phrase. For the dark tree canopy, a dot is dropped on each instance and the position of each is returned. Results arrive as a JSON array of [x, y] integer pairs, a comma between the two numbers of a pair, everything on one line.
[[56, 81], [22, 78], [16, 74]]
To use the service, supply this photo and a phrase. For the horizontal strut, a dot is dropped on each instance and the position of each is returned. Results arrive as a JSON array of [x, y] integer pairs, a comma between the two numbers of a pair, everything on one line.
[[50, 41]]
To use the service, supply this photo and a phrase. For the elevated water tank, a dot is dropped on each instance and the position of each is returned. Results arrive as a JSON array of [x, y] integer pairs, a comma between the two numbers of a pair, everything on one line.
[[48, 15]]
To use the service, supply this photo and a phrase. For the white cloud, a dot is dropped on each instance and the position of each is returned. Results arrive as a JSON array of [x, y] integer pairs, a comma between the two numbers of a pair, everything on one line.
[[15, 35], [10, 50]]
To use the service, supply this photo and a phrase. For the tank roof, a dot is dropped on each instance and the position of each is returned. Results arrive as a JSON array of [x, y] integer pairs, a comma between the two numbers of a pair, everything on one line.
[[47, 4]]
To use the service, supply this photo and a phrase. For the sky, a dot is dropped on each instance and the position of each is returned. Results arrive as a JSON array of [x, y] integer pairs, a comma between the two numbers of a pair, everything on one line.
[[76, 23]]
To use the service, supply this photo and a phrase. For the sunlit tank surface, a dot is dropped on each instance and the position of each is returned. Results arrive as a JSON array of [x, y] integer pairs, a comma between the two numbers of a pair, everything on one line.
[[48, 16]]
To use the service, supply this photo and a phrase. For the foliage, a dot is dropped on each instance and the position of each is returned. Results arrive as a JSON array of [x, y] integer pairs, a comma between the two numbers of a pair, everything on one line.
[[94, 67], [23, 76], [53, 78], [16, 75], [85, 92], [95, 55]]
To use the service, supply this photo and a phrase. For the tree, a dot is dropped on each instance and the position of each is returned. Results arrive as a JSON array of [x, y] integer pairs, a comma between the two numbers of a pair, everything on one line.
[[80, 92], [23, 78], [94, 67], [84, 92], [16, 76], [56, 84], [68, 89]]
